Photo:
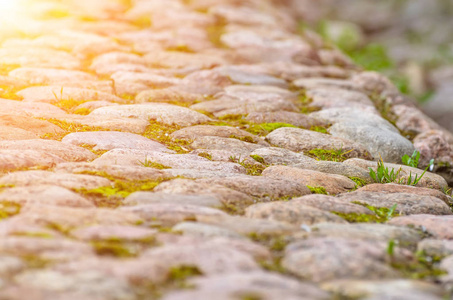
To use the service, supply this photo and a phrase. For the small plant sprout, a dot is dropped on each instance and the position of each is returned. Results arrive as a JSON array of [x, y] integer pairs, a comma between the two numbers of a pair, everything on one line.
[[411, 161]]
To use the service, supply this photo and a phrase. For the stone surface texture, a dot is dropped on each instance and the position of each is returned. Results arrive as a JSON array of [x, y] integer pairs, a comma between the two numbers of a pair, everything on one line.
[[209, 149]]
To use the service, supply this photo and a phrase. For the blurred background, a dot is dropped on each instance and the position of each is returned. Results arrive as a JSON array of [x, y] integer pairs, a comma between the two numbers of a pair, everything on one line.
[[411, 41]]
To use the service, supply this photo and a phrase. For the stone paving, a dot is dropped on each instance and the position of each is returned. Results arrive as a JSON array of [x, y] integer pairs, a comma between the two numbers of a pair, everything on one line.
[[205, 149]]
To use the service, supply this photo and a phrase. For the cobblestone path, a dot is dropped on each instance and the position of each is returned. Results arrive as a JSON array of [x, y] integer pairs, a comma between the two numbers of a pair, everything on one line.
[[206, 150]]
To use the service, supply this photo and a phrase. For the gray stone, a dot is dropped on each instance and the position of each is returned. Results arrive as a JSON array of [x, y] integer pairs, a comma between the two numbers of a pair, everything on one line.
[[109, 232], [272, 188], [406, 204], [290, 212], [332, 183], [331, 204], [296, 139], [205, 230], [293, 118], [161, 112], [142, 198], [57, 93], [108, 140], [46, 76], [322, 259], [439, 226]]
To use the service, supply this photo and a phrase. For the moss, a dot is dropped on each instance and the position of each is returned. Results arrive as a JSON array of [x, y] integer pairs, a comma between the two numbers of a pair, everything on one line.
[[251, 296], [215, 33], [161, 133], [247, 139], [42, 235], [205, 155], [35, 262], [69, 127], [182, 273], [336, 155], [9, 92], [9, 209], [112, 197], [113, 248], [321, 129], [359, 182], [303, 102], [266, 128], [258, 159], [68, 105], [143, 22], [382, 214], [318, 190], [151, 164], [91, 148], [277, 245], [421, 267], [251, 168], [82, 111]]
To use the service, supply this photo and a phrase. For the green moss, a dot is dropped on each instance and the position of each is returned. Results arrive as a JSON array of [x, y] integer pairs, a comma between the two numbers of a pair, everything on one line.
[[9, 92], [68, 105], [421, 267], [382, 214], [69, 127], [113, 248], [251, 168], [266, 128], [151, 164], [143, 22], [82, 111], [9, 209], [337, 155], [36, 262], [321, 129], [258, 159], [205, 155], [247, 139], [250, 296], [112, 197], [91, 148], [182, 273], [358, 181], [215, 33], [318, 190], [161, 133]]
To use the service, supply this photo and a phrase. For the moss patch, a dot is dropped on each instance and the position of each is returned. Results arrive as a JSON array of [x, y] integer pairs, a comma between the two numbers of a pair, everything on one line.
[[151, 164], [336, 155], [112, 197], [382, 214], [68, 127], [9, 209], [266, 128], [318, 190], [251, 168], [161, 133], [205, 155]]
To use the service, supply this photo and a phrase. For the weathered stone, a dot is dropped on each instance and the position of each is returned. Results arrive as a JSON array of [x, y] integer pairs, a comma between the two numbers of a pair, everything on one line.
[[170, 213], [375, 232], [57, 93], [115, 171], [131, 125], [132, 157], [12, 160], [247, 226], [331, 204], [373, 82], [398, 188], [69, 181], [205, 230], [45, 195], [172, 94], [80, 283], [273, 188], [406, 204], [46, 76], [175, 59], [439, 226], [220, 143], [106, 232], [297, 139], [143, 198], [315, 83], [332, 183], [48, 148], [385, 289], [435, 248], [335, 97], [294, 118], [228, 196], [37, 110], [429, 180], [38, 57], [35, 126], [264, 285], [69, 217], [191, 133], [108, 140], [434, 144], [322, 259], [161, 112], [291, 212]]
